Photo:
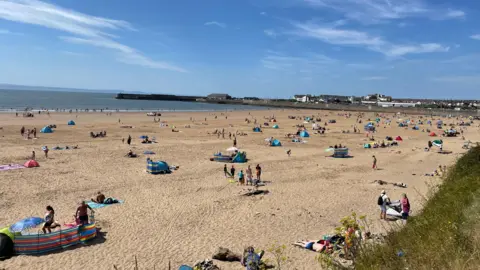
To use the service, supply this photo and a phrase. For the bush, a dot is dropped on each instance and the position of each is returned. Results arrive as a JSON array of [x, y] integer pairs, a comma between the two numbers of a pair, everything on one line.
[[445, 234]]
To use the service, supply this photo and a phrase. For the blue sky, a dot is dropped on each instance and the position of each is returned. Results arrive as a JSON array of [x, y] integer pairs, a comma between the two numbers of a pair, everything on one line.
[[267, 48]]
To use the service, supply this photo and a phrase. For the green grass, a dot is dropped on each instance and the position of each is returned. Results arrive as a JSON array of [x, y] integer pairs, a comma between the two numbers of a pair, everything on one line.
[[445, 235]]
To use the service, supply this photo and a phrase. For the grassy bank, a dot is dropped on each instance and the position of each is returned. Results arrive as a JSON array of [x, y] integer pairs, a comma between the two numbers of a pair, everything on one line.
[[445, 235]]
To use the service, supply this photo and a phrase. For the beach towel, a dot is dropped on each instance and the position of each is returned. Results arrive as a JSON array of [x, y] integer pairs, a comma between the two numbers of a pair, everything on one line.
[[185, 267], [11, 167], [95, 205]]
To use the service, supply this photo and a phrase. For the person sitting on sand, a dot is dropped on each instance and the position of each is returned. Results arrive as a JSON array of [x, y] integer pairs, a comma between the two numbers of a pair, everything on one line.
[[82, 212], [100, 198], [251, 260]]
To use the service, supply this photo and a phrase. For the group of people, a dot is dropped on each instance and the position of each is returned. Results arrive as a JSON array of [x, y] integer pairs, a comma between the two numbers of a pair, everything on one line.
[[100, 134], [384, 201], [245, 178], [27, 133], [81, 214]]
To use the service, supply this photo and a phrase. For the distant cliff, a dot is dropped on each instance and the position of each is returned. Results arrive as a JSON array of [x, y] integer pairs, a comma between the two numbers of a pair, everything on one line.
[[157, 97]]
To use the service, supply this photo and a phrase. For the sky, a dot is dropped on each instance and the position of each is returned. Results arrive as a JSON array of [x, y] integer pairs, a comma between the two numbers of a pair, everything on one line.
[[264, 48]]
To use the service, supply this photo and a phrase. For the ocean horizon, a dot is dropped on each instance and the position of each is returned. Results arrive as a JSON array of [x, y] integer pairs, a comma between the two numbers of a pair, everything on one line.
[[21, 100]]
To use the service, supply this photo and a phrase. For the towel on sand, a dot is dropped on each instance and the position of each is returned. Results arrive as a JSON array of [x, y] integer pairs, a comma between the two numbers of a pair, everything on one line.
[[95, 205], [11, 167]]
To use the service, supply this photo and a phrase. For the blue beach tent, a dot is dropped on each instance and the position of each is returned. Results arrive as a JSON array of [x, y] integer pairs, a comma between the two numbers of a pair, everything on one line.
[[158, 167], [304, 134], [276, 143], [275, 126], [46, 129], [71, 123], [256, 129]]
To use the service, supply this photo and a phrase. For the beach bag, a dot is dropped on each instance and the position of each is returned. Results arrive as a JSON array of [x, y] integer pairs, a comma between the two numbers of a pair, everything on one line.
[[380, 200]]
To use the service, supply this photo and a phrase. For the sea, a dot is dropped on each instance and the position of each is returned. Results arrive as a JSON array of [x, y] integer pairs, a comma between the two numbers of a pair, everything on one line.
[[21, 100]]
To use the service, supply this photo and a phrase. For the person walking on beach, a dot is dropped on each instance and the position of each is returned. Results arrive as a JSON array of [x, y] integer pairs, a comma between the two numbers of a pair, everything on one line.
[[33, 154], [374, 166], [289, 152], [258, 170], [430, 144], [383, 201], [225, 170], [22, 131], [82, 213], [234, 141], [45, 150], [249, 175], [34, 133], [129, 139], [405, 207], [232, 171]]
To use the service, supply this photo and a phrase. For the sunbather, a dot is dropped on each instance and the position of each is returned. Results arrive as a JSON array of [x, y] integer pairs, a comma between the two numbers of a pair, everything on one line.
[[315, 245], [100, 198]]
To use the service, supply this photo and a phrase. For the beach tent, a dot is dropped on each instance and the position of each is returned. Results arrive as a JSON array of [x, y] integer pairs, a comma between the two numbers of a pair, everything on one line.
[[304, 134], [437, 143], [276, 143], [158, 167], [275, 126], [398, 139], [143, 137], [241, 157], [401, 125], [369, 127], [340, 153], [71, 123], [46, 129], [257, 129], [432, 134], [31, 163], [415, 128], [377, 120], [307, 119]]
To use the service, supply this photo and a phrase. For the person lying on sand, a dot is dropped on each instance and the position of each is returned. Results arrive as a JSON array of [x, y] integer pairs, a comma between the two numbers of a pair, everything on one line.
[[315, 245], [130, 154], [100, 198]]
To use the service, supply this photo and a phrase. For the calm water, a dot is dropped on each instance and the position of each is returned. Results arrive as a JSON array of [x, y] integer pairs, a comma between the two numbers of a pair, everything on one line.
[[11, 100]]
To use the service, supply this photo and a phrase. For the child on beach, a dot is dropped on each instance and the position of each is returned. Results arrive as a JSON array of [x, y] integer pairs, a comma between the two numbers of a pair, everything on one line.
[[258, 171], [45, 150], [232, 171], [225, 170], [374, 166]]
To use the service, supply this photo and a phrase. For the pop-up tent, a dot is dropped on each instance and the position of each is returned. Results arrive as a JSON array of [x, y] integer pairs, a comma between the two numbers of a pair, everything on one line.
[[31, 163], [257, 129], [432, 134], [46, 129], [304, 134], [276, 143], [275, 126], [398, 139], [158, 167], [71, 123]]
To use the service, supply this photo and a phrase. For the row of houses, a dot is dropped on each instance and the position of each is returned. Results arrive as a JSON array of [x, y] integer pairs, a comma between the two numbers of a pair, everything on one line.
[[342, 99]]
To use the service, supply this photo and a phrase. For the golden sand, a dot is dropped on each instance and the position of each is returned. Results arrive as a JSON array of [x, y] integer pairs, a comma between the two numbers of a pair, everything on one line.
[[183, 217]]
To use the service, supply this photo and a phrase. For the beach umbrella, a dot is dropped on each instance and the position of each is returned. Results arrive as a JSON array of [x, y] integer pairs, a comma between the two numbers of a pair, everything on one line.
[[26, 224], [232, 149]]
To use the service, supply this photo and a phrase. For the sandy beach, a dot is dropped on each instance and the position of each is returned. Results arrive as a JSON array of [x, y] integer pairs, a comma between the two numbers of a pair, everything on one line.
[[184, 216]]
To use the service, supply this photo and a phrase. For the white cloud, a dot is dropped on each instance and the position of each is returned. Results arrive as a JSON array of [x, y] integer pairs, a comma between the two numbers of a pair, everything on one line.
[[377, 11], [346, 37], [399, 50], [270, 33], [477, 36], [455, 14], [219, 24], [374, 78], [72, 53], [87, 29], [8, 32], [307, 63]]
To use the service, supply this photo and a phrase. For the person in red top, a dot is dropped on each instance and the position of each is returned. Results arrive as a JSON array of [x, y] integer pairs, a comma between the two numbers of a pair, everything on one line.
[[405, 207]]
